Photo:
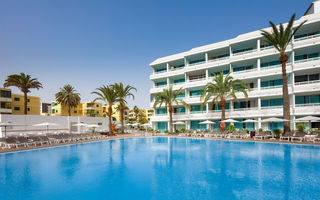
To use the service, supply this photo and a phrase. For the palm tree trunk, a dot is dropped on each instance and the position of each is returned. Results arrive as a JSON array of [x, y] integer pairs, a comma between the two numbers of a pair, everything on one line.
[[286, 102], [170, 120], [110, 117], [69, 110], [25, 103], [121, 119], [223, 110]]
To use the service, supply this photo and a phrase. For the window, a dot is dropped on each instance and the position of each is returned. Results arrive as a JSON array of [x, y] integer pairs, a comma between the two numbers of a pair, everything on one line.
[[242, 50], [224, 72], [307, 99], [17, 108], [161, 111], [272, 102], [271, 83], [17, 99], [100, 123], [196, 108], [269, 64], [305, 78], [97, 112], [5, 94], [306, 56], [28, 100], [196, 93], [243, 68], [179, 110], [161, 83], [182, 80], [53, 111], [97, 106], [56, 111], [28, 109], [75, 112]]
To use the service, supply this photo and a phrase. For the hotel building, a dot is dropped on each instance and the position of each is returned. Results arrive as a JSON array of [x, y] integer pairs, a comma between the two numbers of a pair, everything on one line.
[[89, 109], [249, 58], [14, 103]]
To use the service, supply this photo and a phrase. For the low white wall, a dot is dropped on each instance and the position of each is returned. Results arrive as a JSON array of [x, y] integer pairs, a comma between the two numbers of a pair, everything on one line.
[[66, 123]]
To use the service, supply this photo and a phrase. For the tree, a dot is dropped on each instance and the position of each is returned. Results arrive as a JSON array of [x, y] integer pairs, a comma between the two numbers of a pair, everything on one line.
[[24, 82], [107, 94], [136, 111], [222, 88], [168, 97], [69, 97], [122, 94], [280, 38]]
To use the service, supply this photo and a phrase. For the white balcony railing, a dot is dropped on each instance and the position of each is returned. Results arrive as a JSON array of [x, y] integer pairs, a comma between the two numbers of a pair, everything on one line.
[[271, 107], [307, 60], [266, 48], [307, 105], [245, 109], [197, 112], [218, 59], [160, 114], [195, 96], [181, 113], [245, 71], [160, 86], [175, 69], [197, 63], [197, 79], [272, 87], [307, 82], [307, 37], [244, 52], [272, 66], [160, 72]]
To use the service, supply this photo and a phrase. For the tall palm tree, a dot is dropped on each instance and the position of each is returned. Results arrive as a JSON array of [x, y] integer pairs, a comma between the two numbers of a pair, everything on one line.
[[136, 111], [280, 38], [222, 88], [69, 97], [168, 97], [123, 93], [24, 82], [109, 95]]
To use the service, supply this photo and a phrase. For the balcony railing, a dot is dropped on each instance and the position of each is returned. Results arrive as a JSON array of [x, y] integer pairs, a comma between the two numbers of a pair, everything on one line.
[[266, 48], [160, 86], [160, 72], [175, 69], [307, 104], [160, 114], [307, 82], [245, 71], [217, 111], [181, 113], [218, 59], [197, 112], [271, 107], [307, 60], [197, 79], [272, 87], [244, 52], [195, 96], [307, 37], [271, 66], [197, 63], [245, 109]]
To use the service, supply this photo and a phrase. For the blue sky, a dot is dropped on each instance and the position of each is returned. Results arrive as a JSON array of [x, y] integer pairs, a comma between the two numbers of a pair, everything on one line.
[[87, 43]]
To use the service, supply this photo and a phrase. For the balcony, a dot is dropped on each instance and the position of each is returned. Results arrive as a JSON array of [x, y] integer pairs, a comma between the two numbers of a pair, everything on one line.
[[6, 110], [5, 99], [307, 63], [196, 63], [307, 41], [307, 86], [307, 109]]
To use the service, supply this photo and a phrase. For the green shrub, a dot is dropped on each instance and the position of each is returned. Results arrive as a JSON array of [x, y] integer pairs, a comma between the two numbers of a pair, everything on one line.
[[176, 131], [231, 127], [260, 130], [182, 130], [314, 131], [301, 127], [277, 132], [166, 131]]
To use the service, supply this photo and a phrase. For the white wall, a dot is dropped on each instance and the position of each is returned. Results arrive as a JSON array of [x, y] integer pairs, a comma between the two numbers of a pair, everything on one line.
[[64, 122]]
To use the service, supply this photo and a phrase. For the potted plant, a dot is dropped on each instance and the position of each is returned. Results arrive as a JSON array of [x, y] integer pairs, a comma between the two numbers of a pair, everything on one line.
[[301, 127]]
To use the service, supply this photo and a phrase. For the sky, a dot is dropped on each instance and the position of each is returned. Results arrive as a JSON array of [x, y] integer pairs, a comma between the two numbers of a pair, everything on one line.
[[90, 43]]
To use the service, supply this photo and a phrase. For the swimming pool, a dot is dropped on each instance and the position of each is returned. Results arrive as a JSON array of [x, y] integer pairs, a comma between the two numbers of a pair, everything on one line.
[[163, 168]]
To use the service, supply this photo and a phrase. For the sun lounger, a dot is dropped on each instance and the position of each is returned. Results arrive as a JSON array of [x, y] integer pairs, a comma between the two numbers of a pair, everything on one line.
[[298, 136], [25, 141], [10, 142], [317, 138], [286, 137], [260, 136]]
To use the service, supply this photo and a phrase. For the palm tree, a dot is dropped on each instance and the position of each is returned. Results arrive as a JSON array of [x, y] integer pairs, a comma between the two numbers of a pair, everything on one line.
[[136, 111], [69, 97], [24, 82], [123, 93], [109, 95], [168, 97], [222, 88], [280, 38]]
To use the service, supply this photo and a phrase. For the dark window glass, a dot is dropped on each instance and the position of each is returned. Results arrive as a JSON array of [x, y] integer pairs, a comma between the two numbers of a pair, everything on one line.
[[301, 78]]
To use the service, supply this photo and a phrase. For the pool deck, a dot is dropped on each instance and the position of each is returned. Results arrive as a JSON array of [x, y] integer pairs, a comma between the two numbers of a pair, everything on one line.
[[119, 136]]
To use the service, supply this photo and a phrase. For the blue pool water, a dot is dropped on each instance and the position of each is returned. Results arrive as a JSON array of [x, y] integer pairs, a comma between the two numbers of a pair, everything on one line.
[[162, 168]]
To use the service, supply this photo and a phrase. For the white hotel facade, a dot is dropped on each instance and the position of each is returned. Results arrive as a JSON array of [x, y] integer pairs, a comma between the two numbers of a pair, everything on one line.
[[247, 58]]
